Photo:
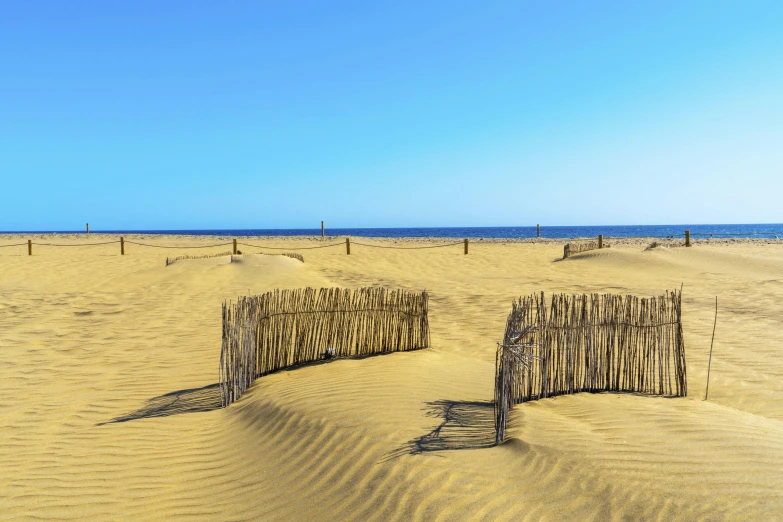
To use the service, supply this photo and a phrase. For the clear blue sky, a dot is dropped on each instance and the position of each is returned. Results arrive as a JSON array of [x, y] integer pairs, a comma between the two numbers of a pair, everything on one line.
[[164, 114]]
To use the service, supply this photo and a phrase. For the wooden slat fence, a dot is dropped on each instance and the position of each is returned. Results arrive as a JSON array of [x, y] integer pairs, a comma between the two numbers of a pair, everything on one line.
[[589, 343], [284, 328], [292, 255], [570, 249], [171, 260]]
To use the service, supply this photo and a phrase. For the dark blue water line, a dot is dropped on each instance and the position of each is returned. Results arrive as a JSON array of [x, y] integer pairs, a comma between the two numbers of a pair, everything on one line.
[[556, 232]]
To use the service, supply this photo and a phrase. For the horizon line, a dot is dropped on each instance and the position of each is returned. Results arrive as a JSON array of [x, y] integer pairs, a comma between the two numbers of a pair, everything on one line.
[[317, 229]]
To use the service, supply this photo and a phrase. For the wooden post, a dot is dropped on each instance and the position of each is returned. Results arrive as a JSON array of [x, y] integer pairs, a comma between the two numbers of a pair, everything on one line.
[[88, 228], [348, 245], [600, 240], [322, 229], [235, 246], [687, 238], [466, 246], [538, 230], [122, 246], [565, 251], [29, 247]]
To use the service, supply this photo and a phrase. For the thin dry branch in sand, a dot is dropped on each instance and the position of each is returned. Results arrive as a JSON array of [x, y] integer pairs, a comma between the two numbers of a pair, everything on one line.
[[284, 328], [170, 260], [709, 364], [589, 343]]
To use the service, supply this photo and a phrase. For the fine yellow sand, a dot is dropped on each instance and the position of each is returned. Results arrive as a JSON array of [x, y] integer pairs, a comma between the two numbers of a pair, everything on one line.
[[109, 407]]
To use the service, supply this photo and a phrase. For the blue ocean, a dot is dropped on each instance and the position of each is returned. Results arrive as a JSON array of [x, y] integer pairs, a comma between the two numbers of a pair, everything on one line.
[[556, 232]]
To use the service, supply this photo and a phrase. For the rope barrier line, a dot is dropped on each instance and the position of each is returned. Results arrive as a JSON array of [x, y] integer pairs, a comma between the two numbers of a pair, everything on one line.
[[408, 248], [77, 245], [289, 248], [164, 246], [760, 235], [238, 243]]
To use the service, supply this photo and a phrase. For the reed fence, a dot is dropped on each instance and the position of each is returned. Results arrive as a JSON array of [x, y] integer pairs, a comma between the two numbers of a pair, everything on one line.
[[583, 246], [292, 255], [284, 328], [589, 344], [170, 260]]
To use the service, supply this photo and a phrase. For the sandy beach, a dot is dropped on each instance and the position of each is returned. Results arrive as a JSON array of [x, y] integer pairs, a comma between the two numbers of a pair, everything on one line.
[[109, 405]]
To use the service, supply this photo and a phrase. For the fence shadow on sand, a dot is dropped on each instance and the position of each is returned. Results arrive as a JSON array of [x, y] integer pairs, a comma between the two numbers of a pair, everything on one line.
[[192, 400], [465, 425]]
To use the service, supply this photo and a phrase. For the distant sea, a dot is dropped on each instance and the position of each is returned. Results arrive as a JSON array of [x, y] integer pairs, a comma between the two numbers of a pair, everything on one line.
[[658, 231]]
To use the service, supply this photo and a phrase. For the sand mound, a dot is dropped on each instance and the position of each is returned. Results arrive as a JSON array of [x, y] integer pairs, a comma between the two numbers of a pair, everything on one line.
[[110, 410]]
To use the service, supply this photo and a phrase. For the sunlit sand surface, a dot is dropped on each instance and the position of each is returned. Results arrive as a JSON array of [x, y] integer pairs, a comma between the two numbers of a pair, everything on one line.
[[109, 406]]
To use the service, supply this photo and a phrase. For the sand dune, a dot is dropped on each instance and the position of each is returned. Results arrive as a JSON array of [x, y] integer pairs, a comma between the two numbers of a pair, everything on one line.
[[109, 409]]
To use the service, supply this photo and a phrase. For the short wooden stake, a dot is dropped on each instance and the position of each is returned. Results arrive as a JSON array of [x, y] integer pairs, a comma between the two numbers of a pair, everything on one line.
[[235, 246], [29, 247], [322, 229], [687, 238], [600, 240], [122, 246], [466, 246], [538, 230], [348, 245]]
